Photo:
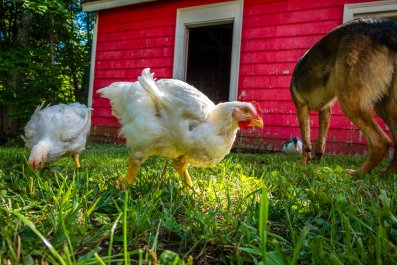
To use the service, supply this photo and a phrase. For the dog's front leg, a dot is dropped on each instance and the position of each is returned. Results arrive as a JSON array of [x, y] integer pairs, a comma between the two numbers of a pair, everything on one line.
[[304, 123]]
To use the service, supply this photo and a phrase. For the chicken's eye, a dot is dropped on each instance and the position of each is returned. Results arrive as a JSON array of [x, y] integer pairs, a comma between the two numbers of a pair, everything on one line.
[[245, 110]]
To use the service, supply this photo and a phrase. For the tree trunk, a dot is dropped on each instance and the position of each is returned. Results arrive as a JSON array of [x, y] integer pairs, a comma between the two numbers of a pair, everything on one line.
[[14, 84], [7, 124], [22, 40], [52, 39]]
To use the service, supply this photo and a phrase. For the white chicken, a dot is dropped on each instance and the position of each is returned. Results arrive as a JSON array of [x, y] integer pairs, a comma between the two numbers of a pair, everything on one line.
[[292, 146], [57, 131], [172, 119]]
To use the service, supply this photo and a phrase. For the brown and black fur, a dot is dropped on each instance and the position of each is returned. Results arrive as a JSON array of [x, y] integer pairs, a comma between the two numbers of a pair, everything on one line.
[[356, 64]]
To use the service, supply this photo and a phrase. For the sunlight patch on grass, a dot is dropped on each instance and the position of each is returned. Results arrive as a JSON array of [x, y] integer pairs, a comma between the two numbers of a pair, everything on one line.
[[256, 209]]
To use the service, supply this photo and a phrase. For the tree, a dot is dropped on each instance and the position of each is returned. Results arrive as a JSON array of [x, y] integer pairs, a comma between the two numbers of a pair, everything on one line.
[[44, 56]]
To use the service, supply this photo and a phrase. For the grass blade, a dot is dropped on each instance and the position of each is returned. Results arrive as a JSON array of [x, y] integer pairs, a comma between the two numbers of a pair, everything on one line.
[[98, 258], [156, 237], [263, 219], [299, 245], [112, 237], [378, 245], [125, 219], [53, 251]]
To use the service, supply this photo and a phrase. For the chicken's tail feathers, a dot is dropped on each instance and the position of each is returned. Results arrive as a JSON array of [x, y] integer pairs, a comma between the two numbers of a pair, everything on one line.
[[148, 83], [116, 93], [109, 91], [39, 107]]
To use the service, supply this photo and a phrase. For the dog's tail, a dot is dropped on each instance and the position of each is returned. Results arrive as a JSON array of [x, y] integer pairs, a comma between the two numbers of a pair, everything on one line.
[[380, 30]]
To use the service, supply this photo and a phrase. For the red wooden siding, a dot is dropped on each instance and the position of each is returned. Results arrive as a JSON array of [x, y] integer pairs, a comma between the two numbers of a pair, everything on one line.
[[274, 35], [129, 39]]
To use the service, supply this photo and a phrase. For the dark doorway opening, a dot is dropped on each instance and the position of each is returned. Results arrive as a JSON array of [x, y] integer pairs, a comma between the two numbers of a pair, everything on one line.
[[209, 54]]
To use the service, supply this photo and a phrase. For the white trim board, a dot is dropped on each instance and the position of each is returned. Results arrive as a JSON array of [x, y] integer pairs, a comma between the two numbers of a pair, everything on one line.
[[92, 66], [379, 8], [209, 15], [106, 4]]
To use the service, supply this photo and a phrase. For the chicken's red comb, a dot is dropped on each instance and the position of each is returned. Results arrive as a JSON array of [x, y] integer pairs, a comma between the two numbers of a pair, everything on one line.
[[257, 107]]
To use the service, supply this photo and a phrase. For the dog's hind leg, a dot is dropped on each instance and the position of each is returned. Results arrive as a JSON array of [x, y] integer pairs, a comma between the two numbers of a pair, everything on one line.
[[323, 123], [378, 141], [388, 112], [304, 122], [364, 74]]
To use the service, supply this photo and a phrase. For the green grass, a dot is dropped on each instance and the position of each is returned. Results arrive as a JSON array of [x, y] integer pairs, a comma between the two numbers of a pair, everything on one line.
[[253, 209]]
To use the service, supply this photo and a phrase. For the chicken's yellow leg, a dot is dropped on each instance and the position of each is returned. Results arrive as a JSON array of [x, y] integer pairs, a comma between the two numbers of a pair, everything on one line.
[[181, 169], [76, 159], [132, 171]]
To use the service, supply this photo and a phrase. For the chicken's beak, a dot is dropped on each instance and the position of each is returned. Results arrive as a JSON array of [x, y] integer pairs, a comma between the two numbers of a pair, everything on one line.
[[37, 166], [32, 163], [256, 121]]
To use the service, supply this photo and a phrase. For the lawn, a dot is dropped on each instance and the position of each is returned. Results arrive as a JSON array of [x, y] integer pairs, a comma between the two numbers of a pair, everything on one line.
[[252, 209]]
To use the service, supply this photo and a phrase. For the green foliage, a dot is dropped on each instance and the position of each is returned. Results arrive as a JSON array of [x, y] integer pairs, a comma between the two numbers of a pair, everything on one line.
[[253, 209], [44, 54]]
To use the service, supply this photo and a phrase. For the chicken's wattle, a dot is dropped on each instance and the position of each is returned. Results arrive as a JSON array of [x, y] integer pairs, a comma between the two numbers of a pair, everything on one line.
[[245, 125]]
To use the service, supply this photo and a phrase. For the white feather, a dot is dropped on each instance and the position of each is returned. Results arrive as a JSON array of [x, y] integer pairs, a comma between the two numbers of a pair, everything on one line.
[[56, 131], [171, 118]]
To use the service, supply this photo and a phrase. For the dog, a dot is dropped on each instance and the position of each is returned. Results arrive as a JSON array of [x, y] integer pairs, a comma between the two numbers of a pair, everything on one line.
[[356, 64]]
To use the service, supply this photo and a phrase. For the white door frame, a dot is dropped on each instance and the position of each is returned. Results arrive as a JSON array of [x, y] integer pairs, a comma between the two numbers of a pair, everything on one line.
[[378, 8], [203, 16], [93, 58]]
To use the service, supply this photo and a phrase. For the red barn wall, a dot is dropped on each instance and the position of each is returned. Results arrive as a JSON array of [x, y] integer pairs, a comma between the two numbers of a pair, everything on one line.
[[129, 39], [274, 35]]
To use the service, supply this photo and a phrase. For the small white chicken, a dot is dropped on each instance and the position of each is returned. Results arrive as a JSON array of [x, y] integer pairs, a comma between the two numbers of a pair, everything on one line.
[[292, 146], [57, 131], [172, 119]]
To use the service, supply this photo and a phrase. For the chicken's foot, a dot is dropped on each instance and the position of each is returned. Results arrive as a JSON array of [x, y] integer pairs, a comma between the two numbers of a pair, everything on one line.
[[180, 166], [76, 159], [132, 171], [130, 177]]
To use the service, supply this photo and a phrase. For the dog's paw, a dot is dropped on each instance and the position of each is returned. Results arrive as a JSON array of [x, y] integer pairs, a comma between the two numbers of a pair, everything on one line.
[[319, 156], [306, 158]]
